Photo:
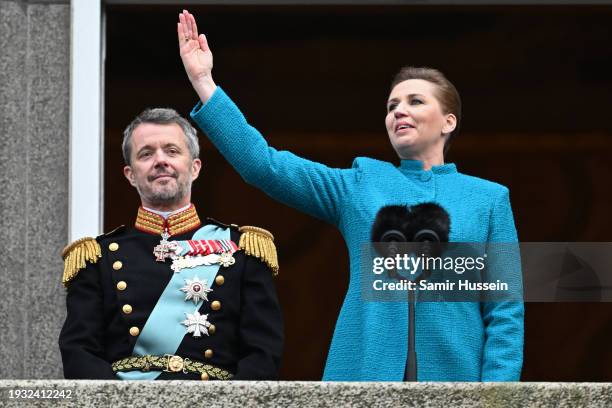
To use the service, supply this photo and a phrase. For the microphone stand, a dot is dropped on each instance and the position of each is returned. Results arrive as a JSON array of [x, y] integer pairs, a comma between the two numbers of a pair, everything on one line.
[[394, 225], [410, 374], [410, 371]]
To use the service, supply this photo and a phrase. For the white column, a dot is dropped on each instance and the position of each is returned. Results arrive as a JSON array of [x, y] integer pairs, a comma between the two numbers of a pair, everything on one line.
[[86, 126]]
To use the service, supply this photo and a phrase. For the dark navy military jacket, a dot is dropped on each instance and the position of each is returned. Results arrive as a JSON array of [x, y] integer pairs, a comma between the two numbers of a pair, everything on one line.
[[109, 302]]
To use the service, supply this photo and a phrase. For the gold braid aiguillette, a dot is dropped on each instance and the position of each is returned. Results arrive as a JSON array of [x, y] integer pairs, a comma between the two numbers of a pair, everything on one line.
[[259, 243], [77, 254]]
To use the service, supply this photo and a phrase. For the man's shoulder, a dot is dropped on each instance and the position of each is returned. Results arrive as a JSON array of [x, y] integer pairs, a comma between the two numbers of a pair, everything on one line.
[[259, 243], [112, 234], [256, 242], [83, 251], [214, 221]]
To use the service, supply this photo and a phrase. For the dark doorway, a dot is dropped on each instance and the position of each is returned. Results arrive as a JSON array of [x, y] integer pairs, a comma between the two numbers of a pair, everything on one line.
[[535, 83]]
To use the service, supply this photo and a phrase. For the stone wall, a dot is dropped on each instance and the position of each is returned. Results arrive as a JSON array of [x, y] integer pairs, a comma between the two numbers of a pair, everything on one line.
[[34, 151], [247, 394]]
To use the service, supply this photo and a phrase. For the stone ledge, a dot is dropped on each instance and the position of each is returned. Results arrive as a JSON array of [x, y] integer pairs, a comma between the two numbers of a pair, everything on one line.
[[246, 394]]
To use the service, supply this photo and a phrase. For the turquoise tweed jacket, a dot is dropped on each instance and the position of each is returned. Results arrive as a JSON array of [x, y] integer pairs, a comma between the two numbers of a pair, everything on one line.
[[455, 341]]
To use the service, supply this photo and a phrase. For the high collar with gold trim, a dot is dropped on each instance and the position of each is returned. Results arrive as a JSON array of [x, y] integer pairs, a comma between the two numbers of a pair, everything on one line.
[[179, 223]]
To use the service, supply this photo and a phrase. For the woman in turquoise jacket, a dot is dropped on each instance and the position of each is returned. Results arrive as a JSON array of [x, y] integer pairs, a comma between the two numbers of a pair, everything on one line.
[[455, 341]]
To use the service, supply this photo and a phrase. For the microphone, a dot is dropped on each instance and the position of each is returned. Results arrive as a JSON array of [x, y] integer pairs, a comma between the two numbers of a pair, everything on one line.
[[389, 232], [429, 222], [426, 223], [389, 229], [429, 225]]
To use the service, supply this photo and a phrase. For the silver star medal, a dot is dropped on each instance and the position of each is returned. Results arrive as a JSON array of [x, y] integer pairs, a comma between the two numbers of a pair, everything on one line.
[[196, 289], [197, 324]]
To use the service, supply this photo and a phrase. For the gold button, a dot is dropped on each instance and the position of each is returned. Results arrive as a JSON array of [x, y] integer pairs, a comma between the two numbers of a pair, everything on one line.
[[127, 309], [113, 246], [205, 377], [220, 280], [134, 331], [121, 285], [216, 305], [208, 353], [212, 329], [117, 265], [175, 364]]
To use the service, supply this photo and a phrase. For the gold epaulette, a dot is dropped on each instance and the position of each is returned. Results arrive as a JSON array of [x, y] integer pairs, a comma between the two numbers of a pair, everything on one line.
[[259, 243], [76, 254]]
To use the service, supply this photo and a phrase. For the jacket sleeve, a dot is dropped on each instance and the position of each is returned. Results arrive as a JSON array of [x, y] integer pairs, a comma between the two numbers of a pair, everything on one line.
[[261, 325], [81, 340], [308, 186], [503, 320]]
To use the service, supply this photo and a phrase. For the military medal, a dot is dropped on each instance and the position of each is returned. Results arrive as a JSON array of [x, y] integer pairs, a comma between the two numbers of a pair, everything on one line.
[[196, 289], [197, 324], [226, 259], [192, 253], [181, 262], [165, 248]]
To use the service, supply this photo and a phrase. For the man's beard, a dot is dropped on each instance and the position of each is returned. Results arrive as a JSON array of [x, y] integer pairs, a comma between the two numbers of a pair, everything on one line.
[[166, 194]]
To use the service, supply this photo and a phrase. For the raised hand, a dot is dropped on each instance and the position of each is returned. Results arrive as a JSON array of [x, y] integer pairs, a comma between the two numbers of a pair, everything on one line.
[[196, 55]]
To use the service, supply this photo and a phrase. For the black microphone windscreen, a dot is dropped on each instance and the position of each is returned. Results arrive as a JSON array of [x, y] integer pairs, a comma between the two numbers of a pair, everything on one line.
[[428, 216], [390, 218]]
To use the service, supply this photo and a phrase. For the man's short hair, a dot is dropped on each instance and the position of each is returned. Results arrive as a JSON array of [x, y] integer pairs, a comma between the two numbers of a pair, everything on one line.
[[160, 116]]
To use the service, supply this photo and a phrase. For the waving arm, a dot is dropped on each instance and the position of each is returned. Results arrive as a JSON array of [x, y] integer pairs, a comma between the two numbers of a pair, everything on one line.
[[308, 186]]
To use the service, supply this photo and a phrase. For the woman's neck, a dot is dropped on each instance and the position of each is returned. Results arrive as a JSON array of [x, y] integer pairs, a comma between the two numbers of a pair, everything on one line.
[[428, 160]]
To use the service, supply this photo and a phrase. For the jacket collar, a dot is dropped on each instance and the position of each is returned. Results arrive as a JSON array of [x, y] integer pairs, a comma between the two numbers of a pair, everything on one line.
[[179, 223]]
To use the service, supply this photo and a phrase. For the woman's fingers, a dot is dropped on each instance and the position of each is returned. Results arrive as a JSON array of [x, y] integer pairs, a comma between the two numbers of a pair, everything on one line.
[[188, 30], [181, 28], [185, 25], [192, 25], [203, 42]]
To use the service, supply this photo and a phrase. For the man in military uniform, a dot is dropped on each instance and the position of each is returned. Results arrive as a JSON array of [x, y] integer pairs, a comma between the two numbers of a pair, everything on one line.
[[172, 297]]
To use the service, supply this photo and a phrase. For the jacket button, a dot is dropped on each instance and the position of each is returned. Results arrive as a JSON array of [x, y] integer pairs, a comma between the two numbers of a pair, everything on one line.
[[219, 280], [212, 329], [208, 353], [134, 331], [127, 309], [113, 246], [215, 305], [121, 285], [204, 377], [117, 265]]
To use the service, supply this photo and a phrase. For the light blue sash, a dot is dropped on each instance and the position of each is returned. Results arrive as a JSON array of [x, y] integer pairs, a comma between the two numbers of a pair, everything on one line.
[[164, 331]]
